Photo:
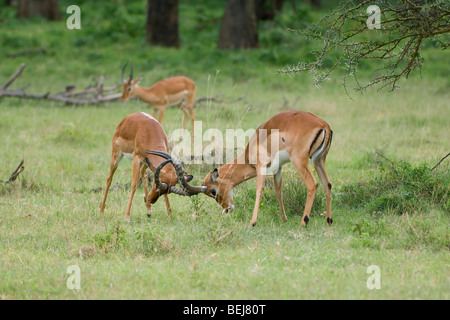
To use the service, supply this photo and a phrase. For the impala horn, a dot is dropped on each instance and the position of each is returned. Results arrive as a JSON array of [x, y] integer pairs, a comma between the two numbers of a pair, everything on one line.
[[131, 73], [123, 72], [161, 186], [187, 190]]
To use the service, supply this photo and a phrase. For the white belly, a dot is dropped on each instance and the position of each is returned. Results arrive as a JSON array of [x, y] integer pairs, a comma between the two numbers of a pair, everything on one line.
[[279, 160], [128, 155]]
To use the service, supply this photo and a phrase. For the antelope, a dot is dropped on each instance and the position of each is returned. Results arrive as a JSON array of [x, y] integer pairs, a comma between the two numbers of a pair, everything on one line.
[[135, 135], [178, 91], [300, 136]]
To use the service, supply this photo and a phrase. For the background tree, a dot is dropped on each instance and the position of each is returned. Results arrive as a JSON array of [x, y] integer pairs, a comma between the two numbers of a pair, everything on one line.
[[47, 9], [396, 47], [267, 9], [162, 23], [239, 25], [316, 4]]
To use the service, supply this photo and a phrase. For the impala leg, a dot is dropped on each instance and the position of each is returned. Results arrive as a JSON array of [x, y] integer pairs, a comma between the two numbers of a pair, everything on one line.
[[260, 178], [169, 209], [190, 107], [185, 116], [115, 159], [161, 114], [319, 165], [145, 184], [278, 181], [311, 185], [155, 112], [192, 115], [134, 183]]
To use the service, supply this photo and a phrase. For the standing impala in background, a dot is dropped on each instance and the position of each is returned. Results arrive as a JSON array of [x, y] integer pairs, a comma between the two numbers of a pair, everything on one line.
[[300, 136], [178, 91], [135, 135]]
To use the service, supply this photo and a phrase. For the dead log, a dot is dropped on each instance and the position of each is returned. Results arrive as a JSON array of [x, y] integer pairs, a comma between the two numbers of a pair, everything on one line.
[[13, 77], [26, 52], [93, 94], [15, 174], [217, 99]]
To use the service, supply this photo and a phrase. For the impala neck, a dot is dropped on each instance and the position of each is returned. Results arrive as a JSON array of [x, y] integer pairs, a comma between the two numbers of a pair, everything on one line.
[[144, 94], [236, 171]]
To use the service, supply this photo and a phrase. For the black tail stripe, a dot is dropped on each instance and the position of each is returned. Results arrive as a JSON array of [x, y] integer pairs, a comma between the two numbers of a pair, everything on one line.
[[330, 139], [315, 139]]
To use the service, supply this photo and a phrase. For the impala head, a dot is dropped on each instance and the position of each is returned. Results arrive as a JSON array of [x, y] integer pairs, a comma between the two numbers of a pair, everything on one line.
[[129, 85], [219, 189], [183, 178]]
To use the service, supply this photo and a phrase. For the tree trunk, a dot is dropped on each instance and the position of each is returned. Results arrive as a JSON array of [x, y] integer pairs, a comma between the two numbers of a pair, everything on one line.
[[47, 9], [316, 4], [239, 26], [267, 9], [162, 23]]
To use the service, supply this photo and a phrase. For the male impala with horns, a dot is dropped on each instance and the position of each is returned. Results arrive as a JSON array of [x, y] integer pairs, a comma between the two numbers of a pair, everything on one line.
[[298, 137]]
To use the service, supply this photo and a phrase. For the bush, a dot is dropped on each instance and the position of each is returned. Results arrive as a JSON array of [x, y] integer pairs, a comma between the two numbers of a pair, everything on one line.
[[399, 187]]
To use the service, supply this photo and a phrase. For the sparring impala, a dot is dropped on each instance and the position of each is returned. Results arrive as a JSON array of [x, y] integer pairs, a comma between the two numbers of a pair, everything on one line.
[[178, 91], [295, 136], [135, 135]]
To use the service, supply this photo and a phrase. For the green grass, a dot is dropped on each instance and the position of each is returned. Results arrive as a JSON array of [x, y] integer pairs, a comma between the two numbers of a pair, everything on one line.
[[49, 217]]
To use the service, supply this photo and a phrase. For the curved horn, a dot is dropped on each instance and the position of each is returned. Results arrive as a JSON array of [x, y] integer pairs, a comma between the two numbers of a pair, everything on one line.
[[179, 191], [192, 190], [162, 187], [123, 72], [131, 73]]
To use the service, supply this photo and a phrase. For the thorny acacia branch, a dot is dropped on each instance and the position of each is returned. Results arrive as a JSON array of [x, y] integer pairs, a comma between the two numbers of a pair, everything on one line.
[[396, 47]]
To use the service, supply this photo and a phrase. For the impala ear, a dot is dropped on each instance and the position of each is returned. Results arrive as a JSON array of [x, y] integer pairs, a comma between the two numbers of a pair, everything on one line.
[[215, 175], [188, 177]]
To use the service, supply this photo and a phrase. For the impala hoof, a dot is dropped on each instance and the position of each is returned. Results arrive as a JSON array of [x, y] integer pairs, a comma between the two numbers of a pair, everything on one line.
[[305, 221], [329, 221]]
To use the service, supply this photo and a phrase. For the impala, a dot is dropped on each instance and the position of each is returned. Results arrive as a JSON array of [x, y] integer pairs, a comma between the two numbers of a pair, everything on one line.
[[135, 135], [178, 91], [300, 136]]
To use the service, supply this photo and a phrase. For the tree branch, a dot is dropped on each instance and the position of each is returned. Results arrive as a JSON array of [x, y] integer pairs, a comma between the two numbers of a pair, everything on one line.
[[15, 174], [13, 77], [91, 95], [406, 24], [437, 164]]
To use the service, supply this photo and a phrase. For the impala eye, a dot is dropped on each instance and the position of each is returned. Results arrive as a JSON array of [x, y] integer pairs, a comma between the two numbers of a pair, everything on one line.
[[129, 89], [214, 192]]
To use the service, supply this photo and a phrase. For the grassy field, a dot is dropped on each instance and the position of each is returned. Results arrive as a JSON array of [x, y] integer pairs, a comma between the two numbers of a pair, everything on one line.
[[392, 215]]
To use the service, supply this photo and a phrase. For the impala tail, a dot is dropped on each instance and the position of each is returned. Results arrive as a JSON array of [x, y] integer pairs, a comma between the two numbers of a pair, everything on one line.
[[321, 144]]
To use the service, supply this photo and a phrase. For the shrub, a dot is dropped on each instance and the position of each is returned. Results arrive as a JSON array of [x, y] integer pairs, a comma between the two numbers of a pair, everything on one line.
[[398, 187]]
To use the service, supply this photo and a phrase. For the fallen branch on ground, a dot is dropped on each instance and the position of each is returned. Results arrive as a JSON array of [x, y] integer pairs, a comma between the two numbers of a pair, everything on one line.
[[93, 94], [437, 164], [15, 174], [217, 99], [26, 52]]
